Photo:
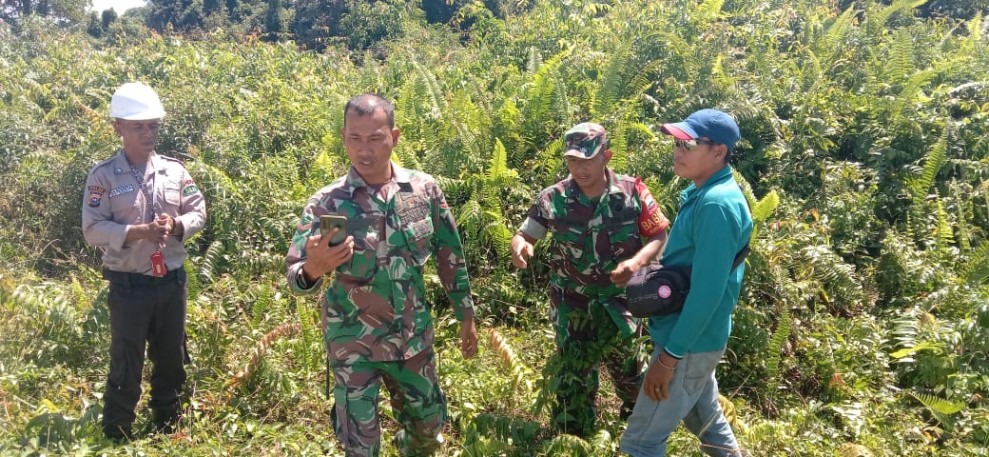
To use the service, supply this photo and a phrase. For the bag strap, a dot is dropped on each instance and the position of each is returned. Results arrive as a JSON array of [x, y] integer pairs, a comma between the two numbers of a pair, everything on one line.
[[740, 257]]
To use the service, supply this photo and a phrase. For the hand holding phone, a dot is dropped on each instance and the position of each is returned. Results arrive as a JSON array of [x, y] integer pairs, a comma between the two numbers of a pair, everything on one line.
[[328, 222]]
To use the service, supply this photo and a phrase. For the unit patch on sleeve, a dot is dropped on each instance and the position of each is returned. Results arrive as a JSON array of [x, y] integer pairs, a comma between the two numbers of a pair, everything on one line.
[[189, 188], [95, 196]]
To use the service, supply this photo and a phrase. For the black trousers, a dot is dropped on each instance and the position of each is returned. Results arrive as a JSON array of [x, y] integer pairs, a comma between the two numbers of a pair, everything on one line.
[[144, 310]]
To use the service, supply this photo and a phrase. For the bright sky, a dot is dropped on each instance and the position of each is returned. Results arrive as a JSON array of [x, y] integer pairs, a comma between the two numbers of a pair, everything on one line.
[[118, 5]]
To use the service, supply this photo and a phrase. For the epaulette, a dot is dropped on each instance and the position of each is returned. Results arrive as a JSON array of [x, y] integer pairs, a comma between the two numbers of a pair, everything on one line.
[[337, 184], [419, 175], [631, 179], [173, 159], [105, 161]]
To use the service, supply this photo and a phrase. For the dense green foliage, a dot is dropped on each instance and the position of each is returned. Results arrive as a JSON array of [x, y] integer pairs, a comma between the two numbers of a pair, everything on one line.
[[863, 327]]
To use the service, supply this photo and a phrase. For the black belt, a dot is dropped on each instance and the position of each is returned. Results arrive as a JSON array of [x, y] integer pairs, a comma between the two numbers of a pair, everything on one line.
[[138, 279]]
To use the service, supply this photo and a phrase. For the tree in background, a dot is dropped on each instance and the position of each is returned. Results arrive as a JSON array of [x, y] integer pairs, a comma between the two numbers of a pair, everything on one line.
[[65, 11], [959, 9], [99, 24], [316, 22], [274, 26]]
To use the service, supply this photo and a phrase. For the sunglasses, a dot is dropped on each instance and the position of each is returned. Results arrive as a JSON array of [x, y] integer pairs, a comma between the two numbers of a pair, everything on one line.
[[690, 145]]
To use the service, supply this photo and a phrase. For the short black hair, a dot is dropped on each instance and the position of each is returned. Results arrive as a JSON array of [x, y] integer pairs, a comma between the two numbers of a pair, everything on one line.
[[365, 104]]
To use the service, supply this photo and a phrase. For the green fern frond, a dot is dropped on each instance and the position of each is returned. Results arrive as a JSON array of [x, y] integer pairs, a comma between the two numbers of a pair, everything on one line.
[[708, 11], [908, 94], [562, 108], [906, 327], [499, 235], [880, 18], [498, 165], [611, 83], [601, 441], [940, 408], [945, 235], [278, 229], [212, 260], [765, 207], [505, 428], [434, 92], [454, 189], [470, 217], [910, 351], [640, 129], [900, 61], [213, 179], [974, 27], [976, 269], [534, 60], [566, 444], [618, 143], [836, 31], [539, 98], [964, 243], [921, 186], [642, 80], [775, 349]]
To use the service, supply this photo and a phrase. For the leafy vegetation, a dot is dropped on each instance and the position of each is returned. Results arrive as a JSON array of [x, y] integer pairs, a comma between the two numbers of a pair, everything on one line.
[[863, 326]]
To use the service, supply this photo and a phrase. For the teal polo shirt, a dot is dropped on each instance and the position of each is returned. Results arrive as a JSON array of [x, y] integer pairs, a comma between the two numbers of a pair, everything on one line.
[[713, 224]]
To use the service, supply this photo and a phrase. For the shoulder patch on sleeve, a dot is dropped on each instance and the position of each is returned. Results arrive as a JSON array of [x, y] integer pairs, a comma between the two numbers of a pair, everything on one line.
[[95, 195]]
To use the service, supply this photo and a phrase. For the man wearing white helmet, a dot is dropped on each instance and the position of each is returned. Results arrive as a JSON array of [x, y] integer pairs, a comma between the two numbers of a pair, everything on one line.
[[139, 207]]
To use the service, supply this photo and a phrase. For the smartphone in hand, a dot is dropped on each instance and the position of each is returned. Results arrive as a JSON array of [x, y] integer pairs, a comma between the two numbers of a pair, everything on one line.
[[328, 222]]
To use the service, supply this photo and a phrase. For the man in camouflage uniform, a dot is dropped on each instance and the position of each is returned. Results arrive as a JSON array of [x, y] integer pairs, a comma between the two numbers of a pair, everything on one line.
[[378, 325], [598, 220]]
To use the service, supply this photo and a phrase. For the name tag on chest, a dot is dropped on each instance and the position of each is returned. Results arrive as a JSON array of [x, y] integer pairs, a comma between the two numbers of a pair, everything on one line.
[[121, 190], [410, 208]]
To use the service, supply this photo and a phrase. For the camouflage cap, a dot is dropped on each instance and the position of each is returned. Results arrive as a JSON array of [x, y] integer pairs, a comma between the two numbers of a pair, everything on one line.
[[585, 140]]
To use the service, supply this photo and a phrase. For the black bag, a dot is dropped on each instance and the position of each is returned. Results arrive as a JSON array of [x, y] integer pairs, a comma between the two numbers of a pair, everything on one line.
[[655, 290]]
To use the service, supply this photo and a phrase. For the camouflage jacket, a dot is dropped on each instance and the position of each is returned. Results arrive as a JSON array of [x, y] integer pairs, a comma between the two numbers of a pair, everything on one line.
[[375, 304], [591, 237]]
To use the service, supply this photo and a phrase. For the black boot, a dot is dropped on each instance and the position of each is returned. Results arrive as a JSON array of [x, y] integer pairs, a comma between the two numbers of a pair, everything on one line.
[[118, 433], [165, 420]]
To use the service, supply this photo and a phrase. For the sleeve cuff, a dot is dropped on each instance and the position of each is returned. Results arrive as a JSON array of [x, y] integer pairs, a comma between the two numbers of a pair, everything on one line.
[[190, 225], [300, 283], [533, 229], [464, 310], [671, 353]]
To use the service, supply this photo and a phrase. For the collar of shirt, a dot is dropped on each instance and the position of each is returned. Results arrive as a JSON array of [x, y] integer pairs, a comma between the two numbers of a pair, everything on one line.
[[354, 180], [718, 177], [122, 166]]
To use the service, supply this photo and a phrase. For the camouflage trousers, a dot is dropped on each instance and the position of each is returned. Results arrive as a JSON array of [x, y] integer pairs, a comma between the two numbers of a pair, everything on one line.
[[416, 399], [585, 339]]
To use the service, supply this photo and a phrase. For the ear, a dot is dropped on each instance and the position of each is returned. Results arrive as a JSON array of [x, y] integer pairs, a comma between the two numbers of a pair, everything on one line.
[[607, 154], [395, 133], [116, 127], [722, 153]]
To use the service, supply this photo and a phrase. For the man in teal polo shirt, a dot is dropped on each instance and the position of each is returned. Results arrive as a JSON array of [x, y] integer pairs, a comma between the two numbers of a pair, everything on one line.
[[712, 226]]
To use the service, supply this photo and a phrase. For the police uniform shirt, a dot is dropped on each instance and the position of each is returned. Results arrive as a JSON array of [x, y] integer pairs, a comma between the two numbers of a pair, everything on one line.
[[113, 199]]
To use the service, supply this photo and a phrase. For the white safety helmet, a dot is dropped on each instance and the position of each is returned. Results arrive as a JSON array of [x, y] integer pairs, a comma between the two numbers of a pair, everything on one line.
[[136, 101]]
